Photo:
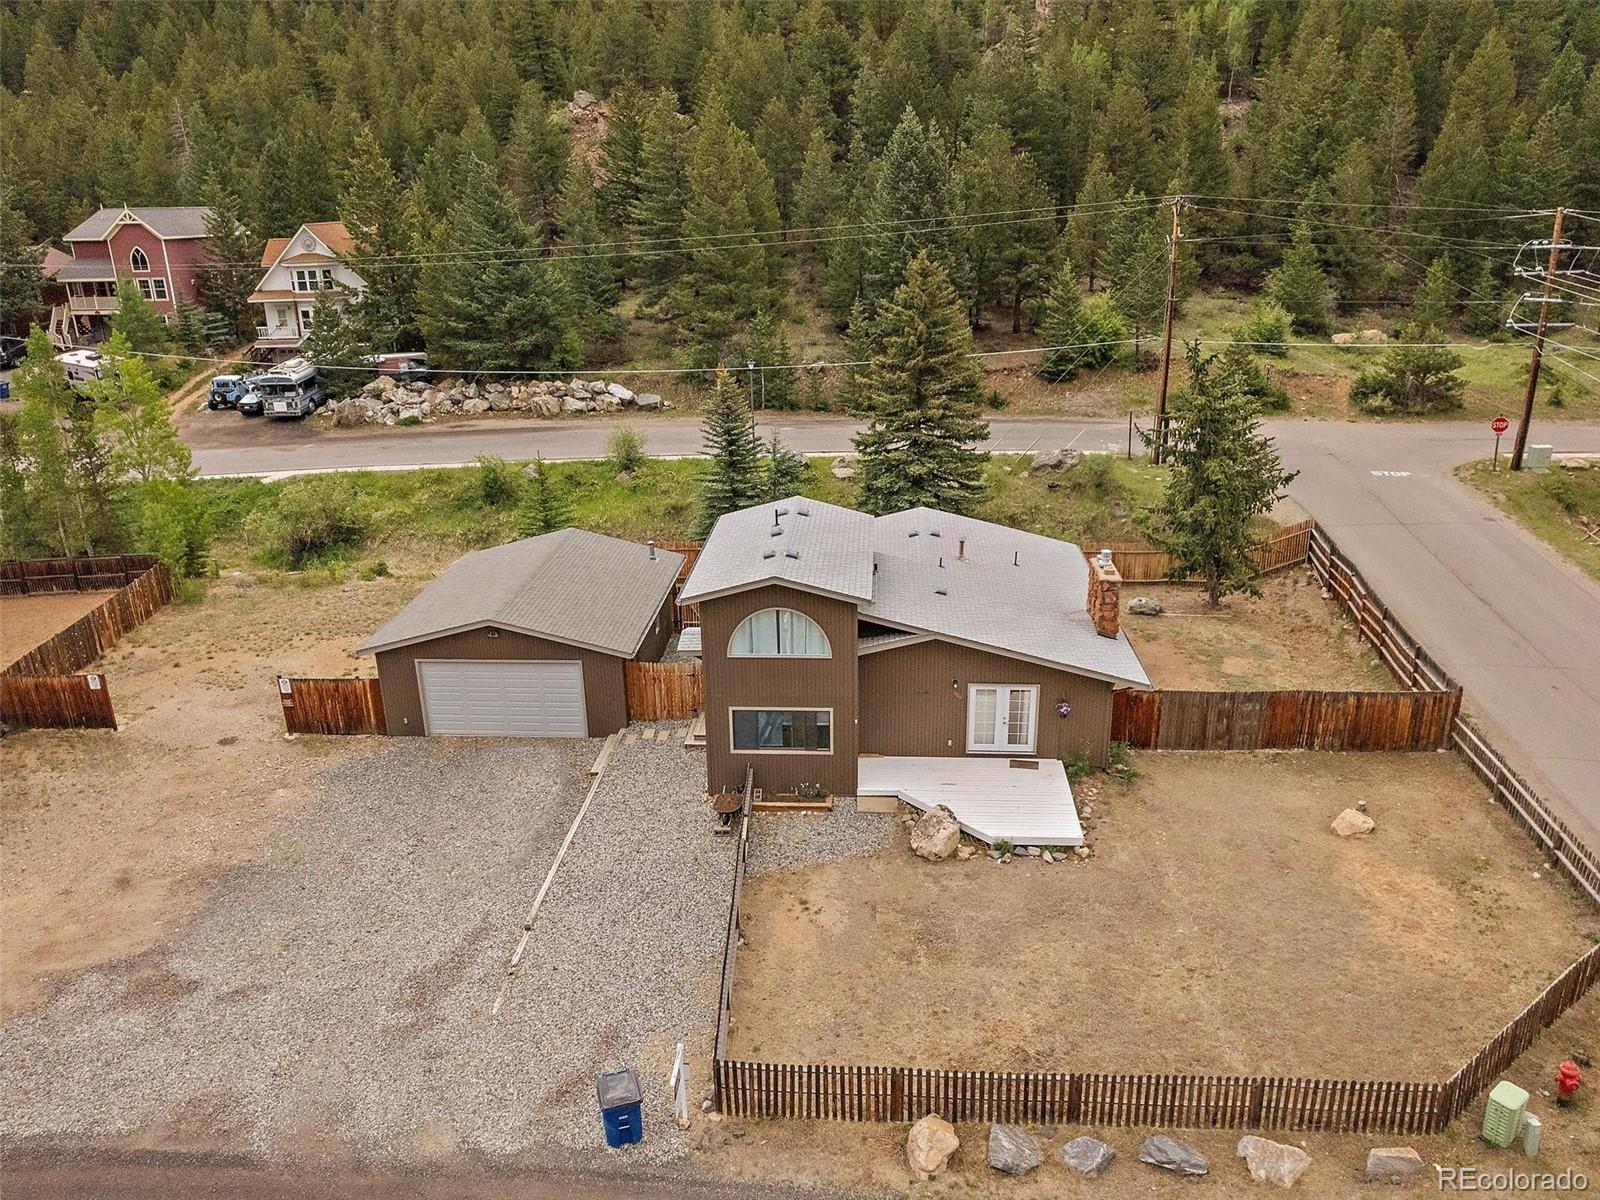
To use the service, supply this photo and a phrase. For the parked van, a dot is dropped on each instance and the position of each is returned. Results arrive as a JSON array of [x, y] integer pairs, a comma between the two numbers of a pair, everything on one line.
[[407, 366], [81, 366], [225, 391], [290, 389]]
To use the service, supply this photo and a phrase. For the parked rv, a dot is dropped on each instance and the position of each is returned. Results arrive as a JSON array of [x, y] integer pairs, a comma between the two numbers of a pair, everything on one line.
[[290, 389], [226, 391], [81, 366]]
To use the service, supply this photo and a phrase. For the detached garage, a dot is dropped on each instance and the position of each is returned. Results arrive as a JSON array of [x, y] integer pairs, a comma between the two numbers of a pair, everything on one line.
[[527, 639]]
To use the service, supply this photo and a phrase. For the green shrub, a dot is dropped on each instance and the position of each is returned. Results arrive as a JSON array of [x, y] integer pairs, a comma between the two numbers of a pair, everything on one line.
[[497, 482], [1558, 486], [175, 523], [1077, 766], [1101, 331], [1267, 328], [625, 449], [1411, 378], [377, 570], [1004, 845], [312, 517], [995, 400], [1096, 475]]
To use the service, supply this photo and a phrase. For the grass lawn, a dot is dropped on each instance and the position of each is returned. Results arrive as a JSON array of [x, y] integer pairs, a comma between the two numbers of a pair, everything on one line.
[[422, 519], [1549, 506]]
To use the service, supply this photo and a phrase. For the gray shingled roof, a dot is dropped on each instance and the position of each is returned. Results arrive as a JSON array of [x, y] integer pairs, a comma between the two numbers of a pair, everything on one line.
[[573, 586], [1005, 590], [86, 270], [803, 543], [177, 222]]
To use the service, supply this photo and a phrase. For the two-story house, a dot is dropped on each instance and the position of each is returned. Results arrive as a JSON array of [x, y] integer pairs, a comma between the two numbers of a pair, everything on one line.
[[161, 250], [299, 270]]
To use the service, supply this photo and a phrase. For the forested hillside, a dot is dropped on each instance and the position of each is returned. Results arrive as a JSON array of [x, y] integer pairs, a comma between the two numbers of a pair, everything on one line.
[[765, 161]]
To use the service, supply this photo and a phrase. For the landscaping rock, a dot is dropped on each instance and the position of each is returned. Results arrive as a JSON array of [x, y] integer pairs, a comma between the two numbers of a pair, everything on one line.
[[929, 1146], [1272, 1162], [1088, 1156], [964, 852], [1013, 1150], [647, 400], [1346, 339], [935, 835], [1393, 1164], [573, 404], [1351, 823], [841, 469], [1172, 1155], [620, 392], [1056, 460], [1144, 606]]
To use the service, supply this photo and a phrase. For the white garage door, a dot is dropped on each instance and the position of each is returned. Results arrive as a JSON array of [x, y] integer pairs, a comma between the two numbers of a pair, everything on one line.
[[529, 699]]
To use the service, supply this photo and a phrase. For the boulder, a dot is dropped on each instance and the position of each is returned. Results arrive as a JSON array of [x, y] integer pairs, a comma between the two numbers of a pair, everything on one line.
[[1055, 460], [572, 404], [1272, 1162], [1351, 823], [1374, 335], [545, 406], [1013, 1150], [1088, 1156], [410, 414], [964, 852], [472, 406], [1144, 606], [842, 469], [1346, 339], [929, 1146], [1172, 1155], [647, 400], [620, 392], [935, 835], [1392, 1164]]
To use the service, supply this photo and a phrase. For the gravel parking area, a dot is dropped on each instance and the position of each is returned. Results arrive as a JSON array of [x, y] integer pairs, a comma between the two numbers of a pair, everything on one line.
[[335, 996], [789, 841]]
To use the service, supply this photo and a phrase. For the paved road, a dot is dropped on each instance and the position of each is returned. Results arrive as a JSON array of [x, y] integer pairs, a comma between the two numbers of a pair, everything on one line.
[[1517, 626]]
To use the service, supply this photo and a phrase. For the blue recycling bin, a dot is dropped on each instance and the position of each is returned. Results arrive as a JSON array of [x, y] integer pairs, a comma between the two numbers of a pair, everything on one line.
[[5, 389], [620, 1105]]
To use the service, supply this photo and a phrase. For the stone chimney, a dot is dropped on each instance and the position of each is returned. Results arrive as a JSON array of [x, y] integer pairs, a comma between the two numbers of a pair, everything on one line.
[[1105, 594]]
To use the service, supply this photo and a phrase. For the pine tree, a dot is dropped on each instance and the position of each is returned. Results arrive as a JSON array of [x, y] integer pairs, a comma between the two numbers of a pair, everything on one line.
[[385, 231], [922, 446], [1415, 376], [341, 343], [231, 269], [732, 270], [21, 281], [535, 154], [1223, 474], [786, 473], [1009, 260], [1135, 257], [544, 507], [1062, 325], [911, 208], [485, 303], [1435, 301], [733, 477], [1486, 309], [768, 346], [1300, 285], [588, 271], [1093, 218], [818, 196], [663, 193]]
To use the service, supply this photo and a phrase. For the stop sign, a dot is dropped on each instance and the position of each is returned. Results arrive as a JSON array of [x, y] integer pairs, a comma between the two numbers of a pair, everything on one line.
[[1499, 424]]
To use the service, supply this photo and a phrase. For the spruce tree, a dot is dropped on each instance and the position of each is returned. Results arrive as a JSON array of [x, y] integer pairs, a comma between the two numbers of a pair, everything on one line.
[[786, 473], [544, 507], [1134, 273], [1009, 260], [485, 303], [818, 197], [1062, 325], [1125, 136], [232, 254], [1093, 218], [1300, 286], [1414, 376], [1486, 305], [385, 232], [662, 194], [535, 153], [21, 280], [768, 346], [622, 154], [588, 271], [733, 477], [1435, 301], [922, 397], [911, 209], [341, 343], [1223, 474]]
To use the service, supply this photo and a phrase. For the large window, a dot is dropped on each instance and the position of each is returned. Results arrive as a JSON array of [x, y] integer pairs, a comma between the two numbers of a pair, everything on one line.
[[139, 260], [311, 279], [153, 289], [803, 729], [778, 631]]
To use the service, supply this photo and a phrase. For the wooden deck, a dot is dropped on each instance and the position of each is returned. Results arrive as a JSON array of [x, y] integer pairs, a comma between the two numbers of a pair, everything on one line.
[[992, 798]]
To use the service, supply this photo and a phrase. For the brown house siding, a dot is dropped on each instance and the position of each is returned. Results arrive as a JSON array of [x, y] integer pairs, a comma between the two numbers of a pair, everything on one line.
[[603, 689], [655, 642], [914, 702], [780, 683]]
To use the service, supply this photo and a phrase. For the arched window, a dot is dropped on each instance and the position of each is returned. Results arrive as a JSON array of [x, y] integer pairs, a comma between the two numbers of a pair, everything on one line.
[[779, 631], [139, 260]]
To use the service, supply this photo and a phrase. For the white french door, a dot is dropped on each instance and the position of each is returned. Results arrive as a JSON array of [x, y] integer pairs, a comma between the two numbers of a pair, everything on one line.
[[1002, 717]]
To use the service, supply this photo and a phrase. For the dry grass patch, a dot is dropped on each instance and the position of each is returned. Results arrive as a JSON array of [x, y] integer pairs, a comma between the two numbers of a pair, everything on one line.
[[1287, 637], [26, 621], [1219, 928]]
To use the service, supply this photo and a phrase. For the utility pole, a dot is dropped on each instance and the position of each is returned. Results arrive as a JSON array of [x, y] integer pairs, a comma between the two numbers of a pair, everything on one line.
[[1538, 345], [1166, 335]]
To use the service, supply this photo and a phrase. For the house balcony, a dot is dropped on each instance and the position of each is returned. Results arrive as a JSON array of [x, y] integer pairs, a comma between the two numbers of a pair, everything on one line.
[[92, 306]]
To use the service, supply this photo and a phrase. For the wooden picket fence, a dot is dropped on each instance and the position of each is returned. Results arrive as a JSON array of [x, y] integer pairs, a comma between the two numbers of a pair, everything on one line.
[[335, 706], [57, 701], [1139, 562], [86, 573], [92, 634], [1284, 720], [663, 691], [733, 933]]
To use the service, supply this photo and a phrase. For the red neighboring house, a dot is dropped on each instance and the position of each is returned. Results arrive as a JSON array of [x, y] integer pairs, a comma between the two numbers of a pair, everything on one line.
[[160, 249]]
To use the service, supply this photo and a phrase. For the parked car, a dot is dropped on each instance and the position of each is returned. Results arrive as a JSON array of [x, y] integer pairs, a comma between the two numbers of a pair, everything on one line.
[[12, 351], [226, 391], [408, 366], [82, 366], [290, 389]]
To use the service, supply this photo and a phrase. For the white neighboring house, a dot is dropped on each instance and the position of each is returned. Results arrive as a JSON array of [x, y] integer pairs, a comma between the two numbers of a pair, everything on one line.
[[299, 270]]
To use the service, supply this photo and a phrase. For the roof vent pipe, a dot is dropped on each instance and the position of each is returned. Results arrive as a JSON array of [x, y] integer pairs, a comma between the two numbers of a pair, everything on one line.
[[1105, 556], [961, 549], [651, 546], [1016, 557]]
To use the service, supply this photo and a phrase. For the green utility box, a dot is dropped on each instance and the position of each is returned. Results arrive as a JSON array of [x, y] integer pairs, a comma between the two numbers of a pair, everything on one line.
[[1502, 1120]]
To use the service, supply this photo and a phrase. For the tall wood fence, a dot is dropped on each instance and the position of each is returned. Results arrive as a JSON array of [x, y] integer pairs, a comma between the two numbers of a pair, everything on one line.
[[1139, 562], [1286, 720], [663, 691], [1415, 668], [332, 705], [87, 573], [57, 701]]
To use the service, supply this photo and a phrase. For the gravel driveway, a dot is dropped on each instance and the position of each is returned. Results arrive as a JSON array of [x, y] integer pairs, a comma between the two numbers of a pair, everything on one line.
[[334, 997]]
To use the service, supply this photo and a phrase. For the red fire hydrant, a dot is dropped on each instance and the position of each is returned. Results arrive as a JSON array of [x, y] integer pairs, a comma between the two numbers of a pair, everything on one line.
[[1568, 1080]]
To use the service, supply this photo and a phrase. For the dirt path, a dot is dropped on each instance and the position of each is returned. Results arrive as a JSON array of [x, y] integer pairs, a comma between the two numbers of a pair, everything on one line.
[[25, 621]]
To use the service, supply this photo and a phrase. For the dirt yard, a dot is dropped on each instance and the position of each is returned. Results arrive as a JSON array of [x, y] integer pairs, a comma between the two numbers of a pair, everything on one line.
[[25, 621], [1288, 637], [202, 733], [1218, 928]]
